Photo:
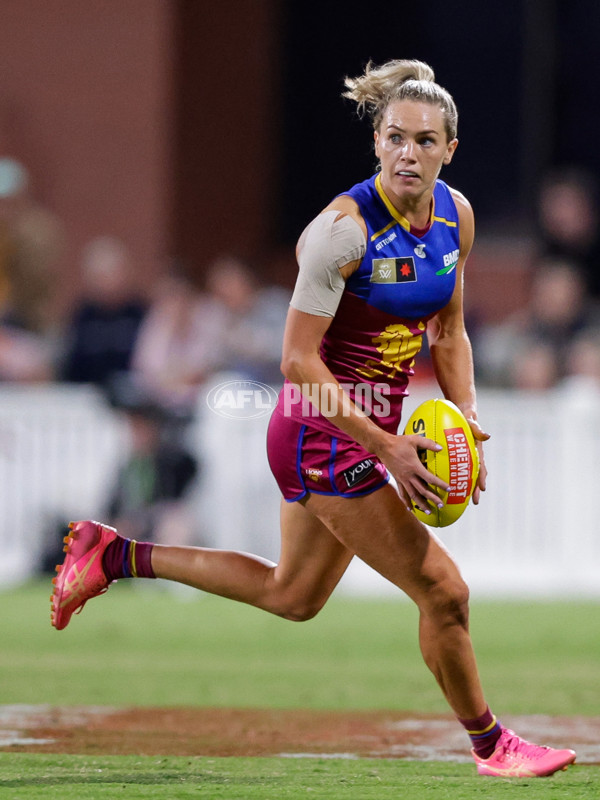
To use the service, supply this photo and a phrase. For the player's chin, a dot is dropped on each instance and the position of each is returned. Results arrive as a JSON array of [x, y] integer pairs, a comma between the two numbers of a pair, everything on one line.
[[404, 185]]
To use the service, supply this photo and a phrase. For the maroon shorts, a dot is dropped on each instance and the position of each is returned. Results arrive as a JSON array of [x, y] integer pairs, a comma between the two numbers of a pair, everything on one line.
[[303, 460]]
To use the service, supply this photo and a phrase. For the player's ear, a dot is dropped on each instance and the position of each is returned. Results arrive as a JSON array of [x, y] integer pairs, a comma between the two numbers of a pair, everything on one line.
[[452, 145], [376, 138]]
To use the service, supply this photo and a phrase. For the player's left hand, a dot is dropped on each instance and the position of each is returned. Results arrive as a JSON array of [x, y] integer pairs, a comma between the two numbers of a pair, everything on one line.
[[480, 437]]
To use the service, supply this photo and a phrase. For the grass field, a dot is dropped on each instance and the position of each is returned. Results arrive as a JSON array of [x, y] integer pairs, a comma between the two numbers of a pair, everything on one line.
[[144, 646], [76, 778]]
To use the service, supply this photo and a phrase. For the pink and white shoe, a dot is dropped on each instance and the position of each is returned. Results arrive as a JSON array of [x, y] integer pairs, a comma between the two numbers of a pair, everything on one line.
[[81, 576], [517, 758]]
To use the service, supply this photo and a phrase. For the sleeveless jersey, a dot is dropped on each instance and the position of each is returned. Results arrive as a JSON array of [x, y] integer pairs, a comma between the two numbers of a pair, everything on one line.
[[402, 281]]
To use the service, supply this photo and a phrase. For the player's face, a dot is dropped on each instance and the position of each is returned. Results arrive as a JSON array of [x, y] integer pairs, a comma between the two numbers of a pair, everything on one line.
[[412, 146]]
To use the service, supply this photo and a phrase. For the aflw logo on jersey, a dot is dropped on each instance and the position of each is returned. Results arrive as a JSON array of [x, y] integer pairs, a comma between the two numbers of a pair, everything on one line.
[[393, 270]]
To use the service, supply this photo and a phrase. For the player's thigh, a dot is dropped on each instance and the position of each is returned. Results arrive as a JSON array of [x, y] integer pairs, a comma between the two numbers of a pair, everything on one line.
[[312, 560], [384, 534]]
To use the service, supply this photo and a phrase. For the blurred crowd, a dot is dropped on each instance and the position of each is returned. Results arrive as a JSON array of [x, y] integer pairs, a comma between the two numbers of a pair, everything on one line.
[[552, 338], [168, 338], [172, 337], [150, 350], [153, 352]]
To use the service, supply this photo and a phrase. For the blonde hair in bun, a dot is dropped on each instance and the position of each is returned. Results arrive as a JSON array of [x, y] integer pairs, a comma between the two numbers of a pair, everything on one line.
[[399, 79]]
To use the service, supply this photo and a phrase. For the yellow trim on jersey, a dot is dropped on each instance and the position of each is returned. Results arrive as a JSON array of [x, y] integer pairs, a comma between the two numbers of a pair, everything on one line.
[[397, 216], [383, 230], [390, 206], [445, 221]]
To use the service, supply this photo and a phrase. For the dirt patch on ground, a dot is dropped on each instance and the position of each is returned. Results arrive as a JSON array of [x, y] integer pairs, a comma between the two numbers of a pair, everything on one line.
[[247, 732]]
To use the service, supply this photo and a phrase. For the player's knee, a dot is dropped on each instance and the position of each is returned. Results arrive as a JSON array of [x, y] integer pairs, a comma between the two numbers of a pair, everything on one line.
[[294, 600], [449, 602]]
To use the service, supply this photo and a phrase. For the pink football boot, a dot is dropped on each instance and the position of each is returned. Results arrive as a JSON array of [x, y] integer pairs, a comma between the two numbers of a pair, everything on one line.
[[81, 576], [516, 758]]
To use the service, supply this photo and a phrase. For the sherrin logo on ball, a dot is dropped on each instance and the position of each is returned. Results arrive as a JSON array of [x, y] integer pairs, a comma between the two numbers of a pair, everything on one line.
[[457, 464]]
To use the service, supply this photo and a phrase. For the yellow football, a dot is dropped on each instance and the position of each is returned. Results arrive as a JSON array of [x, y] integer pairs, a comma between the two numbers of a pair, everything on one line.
[[457, 463]]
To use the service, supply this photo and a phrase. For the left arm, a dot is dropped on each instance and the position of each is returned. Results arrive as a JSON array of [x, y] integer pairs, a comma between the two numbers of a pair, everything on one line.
[[449, 344]]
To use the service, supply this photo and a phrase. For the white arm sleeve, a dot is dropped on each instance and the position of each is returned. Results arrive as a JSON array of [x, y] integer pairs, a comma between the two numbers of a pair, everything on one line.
[[326, 245]]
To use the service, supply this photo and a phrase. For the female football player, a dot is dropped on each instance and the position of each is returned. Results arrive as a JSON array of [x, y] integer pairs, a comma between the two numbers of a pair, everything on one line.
[[379, 267]]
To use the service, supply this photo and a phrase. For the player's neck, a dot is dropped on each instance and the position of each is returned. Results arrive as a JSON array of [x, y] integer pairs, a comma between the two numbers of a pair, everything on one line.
[[415, 210]]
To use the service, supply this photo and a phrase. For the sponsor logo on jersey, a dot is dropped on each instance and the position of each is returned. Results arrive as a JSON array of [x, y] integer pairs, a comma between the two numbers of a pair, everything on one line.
[[358, 472], [393, 270], [450, 262], [420, 251], [380, 245]]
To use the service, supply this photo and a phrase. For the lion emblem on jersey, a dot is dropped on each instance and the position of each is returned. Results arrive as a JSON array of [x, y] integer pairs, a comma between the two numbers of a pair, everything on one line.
[[398, 346]]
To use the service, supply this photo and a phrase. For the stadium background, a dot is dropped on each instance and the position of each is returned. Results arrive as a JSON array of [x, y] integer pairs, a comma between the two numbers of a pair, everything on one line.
[[189, 128]]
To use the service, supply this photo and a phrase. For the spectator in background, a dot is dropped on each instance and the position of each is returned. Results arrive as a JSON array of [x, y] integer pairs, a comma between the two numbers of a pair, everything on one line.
[[31, 244], [532, 349], [149, 495], [568, 222], [583, 370], [31, 241], [103, 328], [253, 320], [150, 492], [180, 345], [24, 356]]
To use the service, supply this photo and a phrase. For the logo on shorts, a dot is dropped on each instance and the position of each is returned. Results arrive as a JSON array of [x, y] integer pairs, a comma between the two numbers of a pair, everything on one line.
[[313, 473], [393, 270], [358, 472]]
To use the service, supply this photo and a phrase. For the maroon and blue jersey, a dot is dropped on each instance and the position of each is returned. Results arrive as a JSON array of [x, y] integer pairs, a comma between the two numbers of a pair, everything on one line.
[[402, 281]]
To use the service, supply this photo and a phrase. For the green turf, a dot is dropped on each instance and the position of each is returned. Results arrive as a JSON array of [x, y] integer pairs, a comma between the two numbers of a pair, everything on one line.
[[147, 647], [27, 777]]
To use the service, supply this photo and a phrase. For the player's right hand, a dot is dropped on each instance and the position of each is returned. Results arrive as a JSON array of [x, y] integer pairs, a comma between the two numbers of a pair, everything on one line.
[[415, 481]]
